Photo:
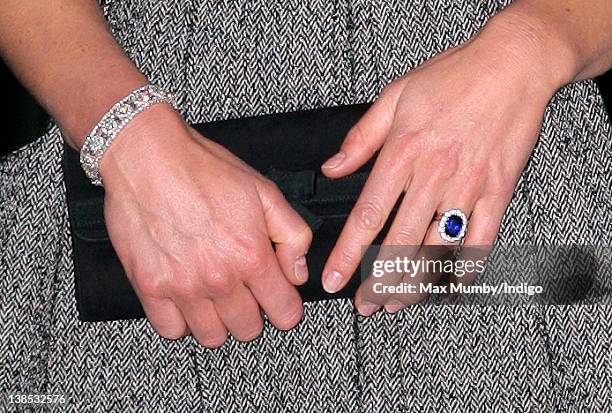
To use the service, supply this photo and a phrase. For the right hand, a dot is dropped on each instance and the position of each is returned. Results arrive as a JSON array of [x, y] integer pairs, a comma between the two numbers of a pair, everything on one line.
[[194, 228]]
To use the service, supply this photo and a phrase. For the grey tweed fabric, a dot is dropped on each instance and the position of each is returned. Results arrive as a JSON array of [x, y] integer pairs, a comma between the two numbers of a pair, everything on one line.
[[236, 58]]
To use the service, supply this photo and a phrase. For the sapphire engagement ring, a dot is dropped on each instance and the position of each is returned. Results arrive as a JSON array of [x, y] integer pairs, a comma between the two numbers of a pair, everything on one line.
[[452, 225]]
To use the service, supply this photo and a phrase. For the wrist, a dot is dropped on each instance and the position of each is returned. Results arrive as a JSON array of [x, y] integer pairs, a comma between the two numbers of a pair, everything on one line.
[[150, 136], [524, 41], [95, 96]]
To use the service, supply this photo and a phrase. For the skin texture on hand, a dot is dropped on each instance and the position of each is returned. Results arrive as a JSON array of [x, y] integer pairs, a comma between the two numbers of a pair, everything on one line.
[[455, 133], [194, 228]]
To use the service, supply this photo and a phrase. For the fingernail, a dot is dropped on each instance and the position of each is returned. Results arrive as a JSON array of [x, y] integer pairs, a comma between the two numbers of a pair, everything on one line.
[[334, 161], [367, 309], [332, 281], [300, 269], [393, 306]]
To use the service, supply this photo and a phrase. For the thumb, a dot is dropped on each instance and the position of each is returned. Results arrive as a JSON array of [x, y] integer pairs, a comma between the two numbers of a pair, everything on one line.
[[290, 234], [366, 136]]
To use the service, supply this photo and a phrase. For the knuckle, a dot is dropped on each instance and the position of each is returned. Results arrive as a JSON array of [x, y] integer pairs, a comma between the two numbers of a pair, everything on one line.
[[473, 174], [404, 236], [407, 142], [250, 334], [500, 187], [290, 318], [406, 134], [478, 166], [448, 167], [213, 340], [347, 258], [269, 186], [441, 170], [251, 254], [303, 237], [173, 331], [420, 133], [368, 215], [186, 284], [257, 266], [408, 146], [308, 234], [446, 163], [217, 283], [471, 184], [152, 286]]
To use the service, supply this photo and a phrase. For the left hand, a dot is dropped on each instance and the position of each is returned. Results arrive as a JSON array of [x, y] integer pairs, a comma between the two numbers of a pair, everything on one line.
[[454, 133]]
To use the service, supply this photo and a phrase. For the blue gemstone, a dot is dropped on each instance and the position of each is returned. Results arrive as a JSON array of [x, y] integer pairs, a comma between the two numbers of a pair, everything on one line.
[[453, 226]]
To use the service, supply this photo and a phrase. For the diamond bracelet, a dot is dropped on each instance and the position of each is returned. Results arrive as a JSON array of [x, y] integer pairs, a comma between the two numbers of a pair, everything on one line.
[[105, 132]]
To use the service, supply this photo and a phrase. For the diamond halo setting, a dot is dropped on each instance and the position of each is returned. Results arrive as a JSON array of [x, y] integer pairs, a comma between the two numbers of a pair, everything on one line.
[[453, 225]]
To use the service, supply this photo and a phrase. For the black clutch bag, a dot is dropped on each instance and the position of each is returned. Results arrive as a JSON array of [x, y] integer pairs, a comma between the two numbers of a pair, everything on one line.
[[288, 148]]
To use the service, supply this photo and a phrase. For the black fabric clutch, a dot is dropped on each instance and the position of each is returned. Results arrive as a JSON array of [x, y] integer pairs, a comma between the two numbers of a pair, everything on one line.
[[288, 148]]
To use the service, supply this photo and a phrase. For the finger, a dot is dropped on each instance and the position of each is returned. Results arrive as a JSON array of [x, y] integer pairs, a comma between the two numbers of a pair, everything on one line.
[[276, 296], [434, 247], [204, 323], [486, 220], [480, 238], [165, 317], [374, 291], [408, 229], [381, 191], [408, 287], [366, 136], [289, 232], [234, 304]]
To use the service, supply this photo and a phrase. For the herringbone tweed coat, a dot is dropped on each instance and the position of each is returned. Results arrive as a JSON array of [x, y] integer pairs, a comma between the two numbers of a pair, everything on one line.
[[247, 57]]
